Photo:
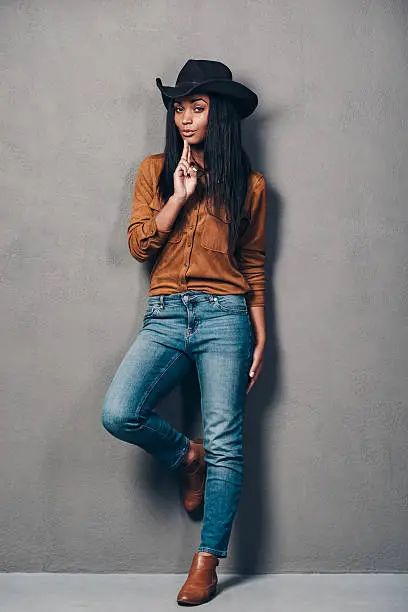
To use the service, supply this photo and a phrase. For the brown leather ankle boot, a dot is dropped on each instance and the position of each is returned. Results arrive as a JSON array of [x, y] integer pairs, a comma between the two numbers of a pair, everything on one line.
[[201, 584], [193, 477]]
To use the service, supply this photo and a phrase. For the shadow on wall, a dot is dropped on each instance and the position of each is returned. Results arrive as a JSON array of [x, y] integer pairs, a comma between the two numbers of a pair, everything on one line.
[[254, 523], [253, 530]]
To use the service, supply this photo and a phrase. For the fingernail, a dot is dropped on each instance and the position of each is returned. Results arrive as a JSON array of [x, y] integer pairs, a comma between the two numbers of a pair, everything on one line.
[[252, 373]]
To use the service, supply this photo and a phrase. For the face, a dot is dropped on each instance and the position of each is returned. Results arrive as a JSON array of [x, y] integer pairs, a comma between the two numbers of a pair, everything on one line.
[[191, 115]]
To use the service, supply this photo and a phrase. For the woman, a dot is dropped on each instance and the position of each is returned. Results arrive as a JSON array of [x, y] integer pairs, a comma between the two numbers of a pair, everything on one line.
[[200, 210]]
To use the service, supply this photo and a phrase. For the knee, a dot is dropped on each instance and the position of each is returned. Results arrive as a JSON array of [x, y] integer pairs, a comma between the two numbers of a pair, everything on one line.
[[119, 417], [112, 417]]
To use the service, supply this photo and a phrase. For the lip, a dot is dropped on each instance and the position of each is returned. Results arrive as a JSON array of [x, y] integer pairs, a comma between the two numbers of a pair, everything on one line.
[[188, 133]]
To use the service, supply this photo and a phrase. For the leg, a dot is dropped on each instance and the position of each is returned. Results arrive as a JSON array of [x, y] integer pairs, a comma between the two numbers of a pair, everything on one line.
[[223, 374], [149, 370]]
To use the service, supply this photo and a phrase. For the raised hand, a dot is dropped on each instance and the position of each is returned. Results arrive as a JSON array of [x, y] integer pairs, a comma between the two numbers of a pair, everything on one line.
[[185, 175]]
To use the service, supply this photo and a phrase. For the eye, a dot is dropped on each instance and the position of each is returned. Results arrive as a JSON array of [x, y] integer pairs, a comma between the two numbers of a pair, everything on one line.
[[180, 108]]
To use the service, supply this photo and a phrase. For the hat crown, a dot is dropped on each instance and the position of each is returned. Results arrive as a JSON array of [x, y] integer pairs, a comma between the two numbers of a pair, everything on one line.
[[197, 71]]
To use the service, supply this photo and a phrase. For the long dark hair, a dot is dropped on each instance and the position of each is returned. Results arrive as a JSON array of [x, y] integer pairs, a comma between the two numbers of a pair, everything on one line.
[[227, 164]]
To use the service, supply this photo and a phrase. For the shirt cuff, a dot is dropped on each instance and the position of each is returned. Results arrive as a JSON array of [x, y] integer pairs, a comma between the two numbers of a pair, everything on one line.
[[152, 235]]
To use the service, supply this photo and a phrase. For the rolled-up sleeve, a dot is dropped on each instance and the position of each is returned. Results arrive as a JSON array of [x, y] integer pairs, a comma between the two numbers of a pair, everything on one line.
[[251, 246], [144, 239]]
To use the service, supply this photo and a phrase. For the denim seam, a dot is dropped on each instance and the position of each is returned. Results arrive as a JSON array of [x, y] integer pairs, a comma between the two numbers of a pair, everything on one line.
[[180, 457], [153, 385]]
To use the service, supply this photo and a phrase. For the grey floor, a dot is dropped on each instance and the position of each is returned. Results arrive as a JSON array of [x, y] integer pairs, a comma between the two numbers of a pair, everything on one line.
[[48, 592]]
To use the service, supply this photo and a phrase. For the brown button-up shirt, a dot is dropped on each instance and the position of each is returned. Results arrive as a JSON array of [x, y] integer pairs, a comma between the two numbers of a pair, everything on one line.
[[196, 254]]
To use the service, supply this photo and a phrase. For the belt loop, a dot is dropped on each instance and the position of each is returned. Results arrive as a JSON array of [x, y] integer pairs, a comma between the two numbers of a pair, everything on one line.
[[161, 301]]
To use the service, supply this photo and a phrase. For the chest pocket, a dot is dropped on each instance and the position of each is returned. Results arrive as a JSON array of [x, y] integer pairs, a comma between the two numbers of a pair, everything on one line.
[[215, 232], [215, 236], [177, 230]]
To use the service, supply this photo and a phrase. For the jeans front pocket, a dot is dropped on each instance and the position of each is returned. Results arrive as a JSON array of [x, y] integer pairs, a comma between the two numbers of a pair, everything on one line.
[[232, 303], [151, 312], [153, 307]]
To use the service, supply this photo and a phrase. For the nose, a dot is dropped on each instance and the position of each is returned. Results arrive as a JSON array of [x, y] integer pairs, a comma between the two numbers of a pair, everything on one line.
[[187, 117]]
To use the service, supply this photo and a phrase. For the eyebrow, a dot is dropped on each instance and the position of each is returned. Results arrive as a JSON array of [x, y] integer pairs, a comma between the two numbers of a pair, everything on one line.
[[177, 101]]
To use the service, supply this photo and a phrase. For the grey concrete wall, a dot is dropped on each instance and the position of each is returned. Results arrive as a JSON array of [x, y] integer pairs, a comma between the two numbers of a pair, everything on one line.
[[326, 425]]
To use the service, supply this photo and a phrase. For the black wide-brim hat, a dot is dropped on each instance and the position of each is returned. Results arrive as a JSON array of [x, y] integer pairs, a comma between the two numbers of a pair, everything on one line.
[[209, 76]]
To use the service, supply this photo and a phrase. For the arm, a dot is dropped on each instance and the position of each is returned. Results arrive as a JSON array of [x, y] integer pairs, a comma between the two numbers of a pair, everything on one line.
[[147, 232], [250, 255], [257, 314]]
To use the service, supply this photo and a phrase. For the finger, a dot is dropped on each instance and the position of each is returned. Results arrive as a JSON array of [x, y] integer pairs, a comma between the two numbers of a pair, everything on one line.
[[184, 165], [254, 373], [253, 381], [185, 149], [257, 359], [192, 173], [188, 153], [250, 384]]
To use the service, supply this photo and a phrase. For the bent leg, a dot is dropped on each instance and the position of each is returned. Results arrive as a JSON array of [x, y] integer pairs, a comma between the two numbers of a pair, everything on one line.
[[148, 372]]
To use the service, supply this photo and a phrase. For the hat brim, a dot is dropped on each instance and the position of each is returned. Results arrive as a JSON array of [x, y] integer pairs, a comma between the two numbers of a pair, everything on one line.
[[241, 96]]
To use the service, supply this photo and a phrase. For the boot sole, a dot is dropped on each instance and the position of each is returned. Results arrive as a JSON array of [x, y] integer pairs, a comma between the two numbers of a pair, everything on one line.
[[197, 603]]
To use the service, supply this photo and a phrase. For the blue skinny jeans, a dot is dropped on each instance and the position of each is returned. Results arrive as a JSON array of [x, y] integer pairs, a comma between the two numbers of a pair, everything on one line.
[[214, 331]]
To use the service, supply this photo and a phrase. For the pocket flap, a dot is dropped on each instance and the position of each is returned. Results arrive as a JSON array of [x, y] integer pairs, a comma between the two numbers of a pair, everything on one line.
[[222, 214]]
